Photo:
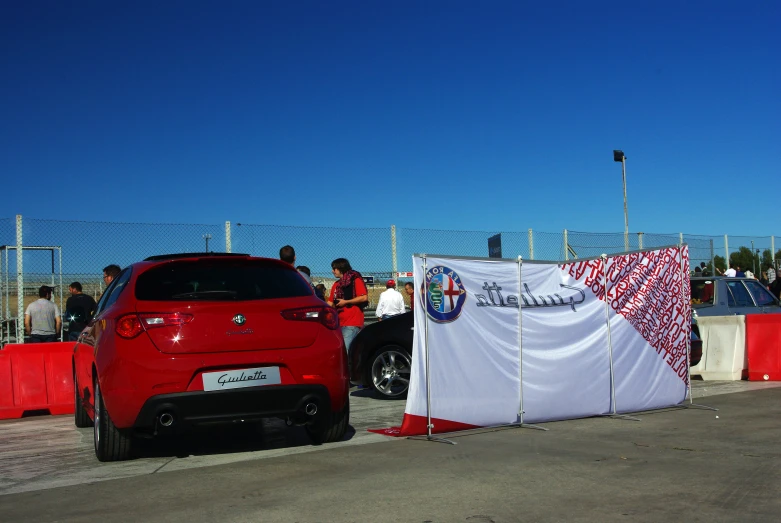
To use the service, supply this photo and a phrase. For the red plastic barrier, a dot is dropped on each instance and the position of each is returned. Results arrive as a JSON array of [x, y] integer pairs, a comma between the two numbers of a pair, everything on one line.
[[763, 347], [36, 376]]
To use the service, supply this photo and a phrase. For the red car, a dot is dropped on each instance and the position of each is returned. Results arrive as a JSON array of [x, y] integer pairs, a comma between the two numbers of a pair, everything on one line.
[[187, 339]]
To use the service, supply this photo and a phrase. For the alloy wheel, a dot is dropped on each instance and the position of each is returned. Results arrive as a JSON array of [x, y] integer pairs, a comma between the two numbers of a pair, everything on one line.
[[391, 372]]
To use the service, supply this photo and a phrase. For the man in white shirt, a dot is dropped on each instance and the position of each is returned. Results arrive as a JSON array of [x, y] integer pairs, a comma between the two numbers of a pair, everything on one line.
[[771, 275], [391, 302], [42, 320], [730, 273]]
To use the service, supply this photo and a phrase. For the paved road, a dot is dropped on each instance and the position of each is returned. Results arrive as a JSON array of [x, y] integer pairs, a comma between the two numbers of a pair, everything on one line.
[[675, 465], [48, 451]]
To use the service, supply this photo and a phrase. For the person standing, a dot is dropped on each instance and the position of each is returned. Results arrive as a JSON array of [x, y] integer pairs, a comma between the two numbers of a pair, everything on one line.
[[391, 302], [78, 310], [42, 320], [349, 296], [288, 254], [409, 288], [109, 273], [729, 273], [771, 275], [739, 273], [775, 288]]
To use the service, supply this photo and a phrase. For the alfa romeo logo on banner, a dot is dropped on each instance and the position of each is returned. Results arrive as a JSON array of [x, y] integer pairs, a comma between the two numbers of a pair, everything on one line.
[[445, 294]]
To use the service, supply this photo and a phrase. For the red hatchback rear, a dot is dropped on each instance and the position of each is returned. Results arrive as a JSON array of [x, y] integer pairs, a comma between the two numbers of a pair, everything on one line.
[[187, 339]]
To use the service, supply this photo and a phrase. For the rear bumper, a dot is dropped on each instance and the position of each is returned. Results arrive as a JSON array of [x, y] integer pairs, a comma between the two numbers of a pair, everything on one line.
[[251, 403]]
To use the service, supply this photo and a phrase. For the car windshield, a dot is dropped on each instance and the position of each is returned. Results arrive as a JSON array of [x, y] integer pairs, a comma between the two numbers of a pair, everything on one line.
[[761, 295], [702, 292], [738, 295], [220, 280]]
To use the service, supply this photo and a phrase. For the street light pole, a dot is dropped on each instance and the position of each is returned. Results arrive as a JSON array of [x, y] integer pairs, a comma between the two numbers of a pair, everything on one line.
[[207, 237], [618, 156]]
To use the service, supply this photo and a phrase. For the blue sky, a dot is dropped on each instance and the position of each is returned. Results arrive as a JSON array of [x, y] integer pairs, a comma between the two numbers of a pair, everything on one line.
[[496, 116]]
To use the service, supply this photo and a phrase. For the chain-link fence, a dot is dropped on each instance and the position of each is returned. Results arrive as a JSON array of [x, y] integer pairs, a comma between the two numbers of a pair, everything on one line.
[[78, 250], [87, 247]]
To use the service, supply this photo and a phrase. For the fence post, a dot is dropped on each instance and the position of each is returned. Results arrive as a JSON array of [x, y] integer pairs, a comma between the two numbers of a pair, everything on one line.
[[566, 246], [228, 246], [19, 282], [726, 251], [640, 241], [393, 251], [531, 245]]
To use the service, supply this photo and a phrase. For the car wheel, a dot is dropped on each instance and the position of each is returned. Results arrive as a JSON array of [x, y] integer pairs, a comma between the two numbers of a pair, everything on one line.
[[389, 372], [111, 444], [330, 427], [80, 417]]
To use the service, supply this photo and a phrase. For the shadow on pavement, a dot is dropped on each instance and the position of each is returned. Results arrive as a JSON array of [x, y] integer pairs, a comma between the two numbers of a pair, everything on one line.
[[226, 439]]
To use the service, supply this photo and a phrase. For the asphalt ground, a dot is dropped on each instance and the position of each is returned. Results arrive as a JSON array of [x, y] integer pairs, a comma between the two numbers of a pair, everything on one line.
[[673, 465]]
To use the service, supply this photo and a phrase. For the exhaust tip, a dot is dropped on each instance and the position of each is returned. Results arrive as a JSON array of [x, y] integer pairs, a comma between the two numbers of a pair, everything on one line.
[[310, 409], [166, 419]]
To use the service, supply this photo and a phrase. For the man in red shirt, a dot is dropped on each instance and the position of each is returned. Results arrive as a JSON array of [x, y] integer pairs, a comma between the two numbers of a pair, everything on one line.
[[409, 289], [350, 297]]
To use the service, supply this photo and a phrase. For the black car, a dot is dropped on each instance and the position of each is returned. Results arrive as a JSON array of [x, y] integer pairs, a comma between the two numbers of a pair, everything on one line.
[[380, 356]]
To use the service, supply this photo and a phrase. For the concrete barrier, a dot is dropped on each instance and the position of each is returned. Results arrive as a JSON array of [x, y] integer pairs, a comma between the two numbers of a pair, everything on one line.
[[723, 348]]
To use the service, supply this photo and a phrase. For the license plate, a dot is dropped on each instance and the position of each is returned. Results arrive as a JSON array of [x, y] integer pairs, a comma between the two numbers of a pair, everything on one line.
[[237, 379]]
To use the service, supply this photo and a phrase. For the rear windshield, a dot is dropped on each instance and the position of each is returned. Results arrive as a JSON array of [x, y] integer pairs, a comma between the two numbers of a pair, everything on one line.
[[212, 280]]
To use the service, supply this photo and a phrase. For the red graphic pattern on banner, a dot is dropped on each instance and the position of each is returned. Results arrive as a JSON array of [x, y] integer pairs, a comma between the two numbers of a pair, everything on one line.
[[647, 288]]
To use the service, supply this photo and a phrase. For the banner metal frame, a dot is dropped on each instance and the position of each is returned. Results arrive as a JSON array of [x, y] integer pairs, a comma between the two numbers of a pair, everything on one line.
[[519, 262], [429, 425], [688, 348], [614, 413]]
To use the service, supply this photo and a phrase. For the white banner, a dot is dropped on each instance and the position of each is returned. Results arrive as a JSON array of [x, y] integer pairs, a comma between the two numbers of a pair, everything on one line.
[[469, 314]]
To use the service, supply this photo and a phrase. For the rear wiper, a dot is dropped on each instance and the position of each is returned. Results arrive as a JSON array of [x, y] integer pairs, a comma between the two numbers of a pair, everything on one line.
[[206, 294]]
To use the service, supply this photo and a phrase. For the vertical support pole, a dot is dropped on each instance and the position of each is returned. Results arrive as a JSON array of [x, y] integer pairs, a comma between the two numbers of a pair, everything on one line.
[[228, 246], [726, 250], [680, 238], [603, 257], [626, 216], [394, 263], [566, 246], [19, 282], [773, 251], [429, 425], [520, 343], [712, 258], [640, 240], [62, 311], [531, 245], [684, 282]]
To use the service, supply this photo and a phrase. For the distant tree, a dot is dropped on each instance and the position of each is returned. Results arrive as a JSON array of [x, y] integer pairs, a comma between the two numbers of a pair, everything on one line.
[[744, 258], [767, 259], [721, 263]]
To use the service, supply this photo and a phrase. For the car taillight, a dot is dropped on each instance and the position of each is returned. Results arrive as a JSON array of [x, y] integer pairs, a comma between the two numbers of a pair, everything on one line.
[[325, 315], [129, 326], [151, 320]]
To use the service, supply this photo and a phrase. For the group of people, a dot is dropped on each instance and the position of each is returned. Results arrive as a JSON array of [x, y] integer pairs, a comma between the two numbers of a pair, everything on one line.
[[349, 295], [42, 321], [767, 278]]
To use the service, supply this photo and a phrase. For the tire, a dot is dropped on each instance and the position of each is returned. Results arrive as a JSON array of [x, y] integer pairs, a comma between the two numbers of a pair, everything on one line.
[[388, 373], [111, 443], [80, 417], [330, 427]]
